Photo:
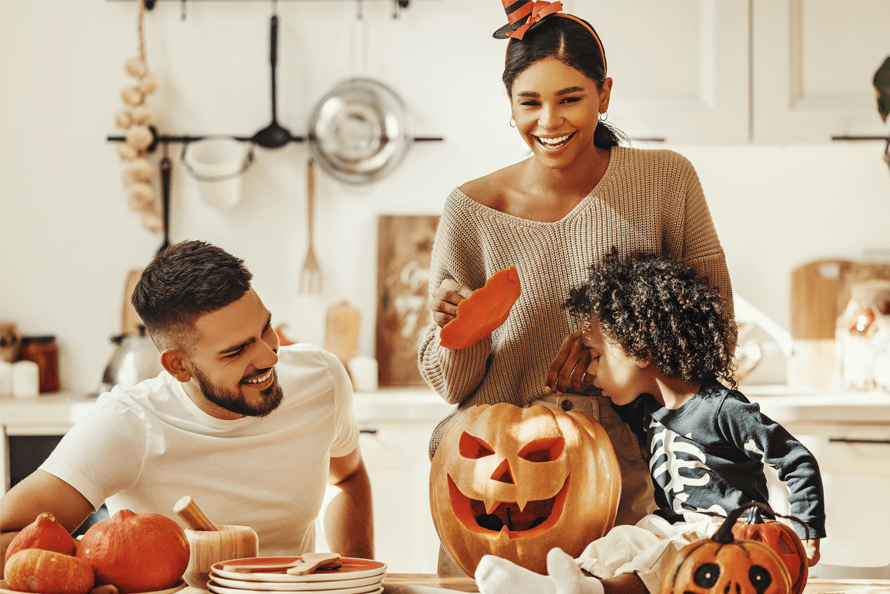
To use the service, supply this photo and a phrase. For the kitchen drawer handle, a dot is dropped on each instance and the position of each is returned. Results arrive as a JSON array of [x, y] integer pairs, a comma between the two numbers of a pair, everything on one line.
[[368, 431], [845, 440]]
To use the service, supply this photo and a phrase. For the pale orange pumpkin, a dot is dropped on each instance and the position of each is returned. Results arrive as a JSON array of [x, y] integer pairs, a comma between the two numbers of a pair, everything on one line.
[[782, 539], [136, 552], [721, 564], [516, 482], [48, 572], [43, 533]]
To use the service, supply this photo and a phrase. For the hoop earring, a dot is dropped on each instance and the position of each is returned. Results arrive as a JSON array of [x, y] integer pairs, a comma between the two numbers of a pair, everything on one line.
[[603, 116], [512, 123]]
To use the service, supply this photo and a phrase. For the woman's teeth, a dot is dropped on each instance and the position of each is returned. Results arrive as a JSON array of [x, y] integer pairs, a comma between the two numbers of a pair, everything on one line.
[[260, 379], [554, 142]]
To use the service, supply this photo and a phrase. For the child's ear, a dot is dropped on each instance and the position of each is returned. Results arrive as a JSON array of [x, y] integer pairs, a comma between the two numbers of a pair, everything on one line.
[[644, 362], [176, 364]]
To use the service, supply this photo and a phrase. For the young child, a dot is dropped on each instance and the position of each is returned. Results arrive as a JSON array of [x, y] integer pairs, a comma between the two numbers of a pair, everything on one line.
[[656, 335]]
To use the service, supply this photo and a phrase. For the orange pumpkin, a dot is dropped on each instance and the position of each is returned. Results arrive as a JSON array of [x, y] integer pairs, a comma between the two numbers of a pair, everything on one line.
[[721, 564], [48, 572], [136, 552], [516, 482], [43, 533], [782, 539]]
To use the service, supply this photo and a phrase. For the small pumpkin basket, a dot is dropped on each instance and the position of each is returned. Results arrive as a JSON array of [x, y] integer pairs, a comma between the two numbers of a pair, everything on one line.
[[779, 537], [743, 558]]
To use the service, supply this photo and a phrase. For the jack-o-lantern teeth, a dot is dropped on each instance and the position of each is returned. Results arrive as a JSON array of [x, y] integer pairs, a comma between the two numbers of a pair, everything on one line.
[[513, 518]]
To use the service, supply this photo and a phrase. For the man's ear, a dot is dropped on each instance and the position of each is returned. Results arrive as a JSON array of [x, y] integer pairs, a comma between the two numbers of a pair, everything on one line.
[[177, 364]]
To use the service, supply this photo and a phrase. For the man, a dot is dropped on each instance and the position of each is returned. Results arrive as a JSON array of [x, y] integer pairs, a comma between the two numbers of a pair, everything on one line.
[[249, 429]]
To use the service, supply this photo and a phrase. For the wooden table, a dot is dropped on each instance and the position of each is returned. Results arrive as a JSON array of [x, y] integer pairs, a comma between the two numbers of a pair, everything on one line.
[[413, 583], [424, 583]]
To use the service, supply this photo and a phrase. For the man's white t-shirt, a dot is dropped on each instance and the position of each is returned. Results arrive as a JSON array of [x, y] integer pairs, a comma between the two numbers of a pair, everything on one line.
[[146, 447]]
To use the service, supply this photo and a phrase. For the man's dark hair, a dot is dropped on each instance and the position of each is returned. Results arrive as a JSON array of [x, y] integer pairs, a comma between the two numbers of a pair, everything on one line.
[[659, 308], [185, 281]]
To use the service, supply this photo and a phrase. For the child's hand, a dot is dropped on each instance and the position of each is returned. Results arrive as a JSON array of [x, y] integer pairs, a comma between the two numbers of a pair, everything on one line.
[[569, 368], [811, 546]]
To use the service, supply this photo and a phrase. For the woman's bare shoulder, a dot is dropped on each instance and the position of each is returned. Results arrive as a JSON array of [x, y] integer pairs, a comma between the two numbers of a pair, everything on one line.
[[491, 190]]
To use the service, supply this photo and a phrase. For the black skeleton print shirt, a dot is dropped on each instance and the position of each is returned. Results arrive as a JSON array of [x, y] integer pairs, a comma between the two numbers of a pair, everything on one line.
[[709, 455]]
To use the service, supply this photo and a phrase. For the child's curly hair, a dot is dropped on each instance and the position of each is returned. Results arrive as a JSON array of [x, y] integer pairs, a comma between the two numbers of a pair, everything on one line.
[[659, 308]]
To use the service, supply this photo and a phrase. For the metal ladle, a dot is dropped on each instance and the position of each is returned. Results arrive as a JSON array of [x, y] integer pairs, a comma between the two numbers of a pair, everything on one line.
[[274, 135]]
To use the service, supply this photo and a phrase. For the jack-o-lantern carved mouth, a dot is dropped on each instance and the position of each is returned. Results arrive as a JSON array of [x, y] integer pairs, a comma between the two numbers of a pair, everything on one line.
[[506, 517]]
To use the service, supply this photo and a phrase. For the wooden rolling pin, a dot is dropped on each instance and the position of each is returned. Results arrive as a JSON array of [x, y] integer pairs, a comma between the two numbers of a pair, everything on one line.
[[191, 514]]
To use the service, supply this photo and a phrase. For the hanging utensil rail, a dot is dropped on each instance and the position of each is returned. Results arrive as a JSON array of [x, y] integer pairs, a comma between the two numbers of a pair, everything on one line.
[[167, 139]]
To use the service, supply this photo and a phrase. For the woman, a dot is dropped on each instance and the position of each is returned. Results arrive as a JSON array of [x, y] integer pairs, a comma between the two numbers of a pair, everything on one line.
[[552, 216]]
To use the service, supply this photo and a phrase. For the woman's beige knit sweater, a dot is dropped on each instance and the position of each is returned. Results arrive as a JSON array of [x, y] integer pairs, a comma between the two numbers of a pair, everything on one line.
[[647, 201]]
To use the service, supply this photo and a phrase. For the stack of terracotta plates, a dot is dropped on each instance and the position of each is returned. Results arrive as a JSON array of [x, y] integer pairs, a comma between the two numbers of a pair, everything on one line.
[[354, 576]]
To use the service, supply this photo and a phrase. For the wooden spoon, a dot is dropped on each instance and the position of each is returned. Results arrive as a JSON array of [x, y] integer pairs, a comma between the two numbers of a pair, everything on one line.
[[188, 510], [308, 563]]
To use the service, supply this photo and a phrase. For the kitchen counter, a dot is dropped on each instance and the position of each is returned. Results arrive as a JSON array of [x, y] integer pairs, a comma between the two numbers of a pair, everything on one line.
[[795, 404], [409, 404], [63, 409], [418, 403]]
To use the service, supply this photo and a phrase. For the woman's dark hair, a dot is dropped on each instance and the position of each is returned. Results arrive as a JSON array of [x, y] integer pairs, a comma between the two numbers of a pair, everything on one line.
[[659, 308], [572, 44], [182, 283]]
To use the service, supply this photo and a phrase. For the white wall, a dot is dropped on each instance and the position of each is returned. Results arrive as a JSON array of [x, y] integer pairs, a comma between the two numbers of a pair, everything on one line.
[[68, 238]]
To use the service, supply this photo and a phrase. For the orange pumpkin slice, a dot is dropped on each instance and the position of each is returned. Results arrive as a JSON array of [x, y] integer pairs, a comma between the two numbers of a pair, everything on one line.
[[483, 311]]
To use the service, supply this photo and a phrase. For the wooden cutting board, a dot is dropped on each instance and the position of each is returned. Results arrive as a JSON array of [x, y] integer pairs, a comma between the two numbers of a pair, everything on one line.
[[820, 291], [815, 297], [404, 248]]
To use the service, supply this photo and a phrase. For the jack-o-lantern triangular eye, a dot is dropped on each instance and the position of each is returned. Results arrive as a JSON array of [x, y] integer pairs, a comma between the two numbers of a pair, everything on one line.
[[474, 448], [543, 450]]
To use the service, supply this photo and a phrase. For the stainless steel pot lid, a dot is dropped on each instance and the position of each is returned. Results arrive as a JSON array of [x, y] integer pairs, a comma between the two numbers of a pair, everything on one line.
[[359, 131]]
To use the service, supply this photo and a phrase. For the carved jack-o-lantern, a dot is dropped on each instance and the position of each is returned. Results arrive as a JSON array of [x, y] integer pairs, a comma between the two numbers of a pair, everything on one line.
[[722, 564], [516, 482]]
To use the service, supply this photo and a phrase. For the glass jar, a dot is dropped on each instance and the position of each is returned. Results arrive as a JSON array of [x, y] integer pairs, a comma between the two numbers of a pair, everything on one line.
[[43, 351], [863, 336]]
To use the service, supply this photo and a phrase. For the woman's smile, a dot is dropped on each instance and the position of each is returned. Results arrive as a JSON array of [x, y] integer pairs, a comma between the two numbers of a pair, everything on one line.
[[554, 142]]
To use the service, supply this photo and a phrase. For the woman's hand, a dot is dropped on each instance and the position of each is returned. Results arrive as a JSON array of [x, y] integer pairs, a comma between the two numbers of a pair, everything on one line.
[[569, 368], [811, 546], [444, 300]]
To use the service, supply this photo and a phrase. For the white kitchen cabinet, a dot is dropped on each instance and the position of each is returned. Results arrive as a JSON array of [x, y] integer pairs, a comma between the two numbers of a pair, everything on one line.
[[396, 425], [399, 468], [813, 66], [680, 67], [849, 434], [855, 465]]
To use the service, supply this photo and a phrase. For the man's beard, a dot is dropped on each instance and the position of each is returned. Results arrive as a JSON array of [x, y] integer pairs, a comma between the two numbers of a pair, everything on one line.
[[236, 402]]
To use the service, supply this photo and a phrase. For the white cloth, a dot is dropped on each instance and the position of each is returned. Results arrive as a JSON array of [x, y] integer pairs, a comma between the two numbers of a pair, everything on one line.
[[146, 447], [646, 548]]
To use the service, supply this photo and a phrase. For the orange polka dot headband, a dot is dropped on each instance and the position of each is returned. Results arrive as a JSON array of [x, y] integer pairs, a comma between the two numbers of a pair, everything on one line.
[[525, 15]]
